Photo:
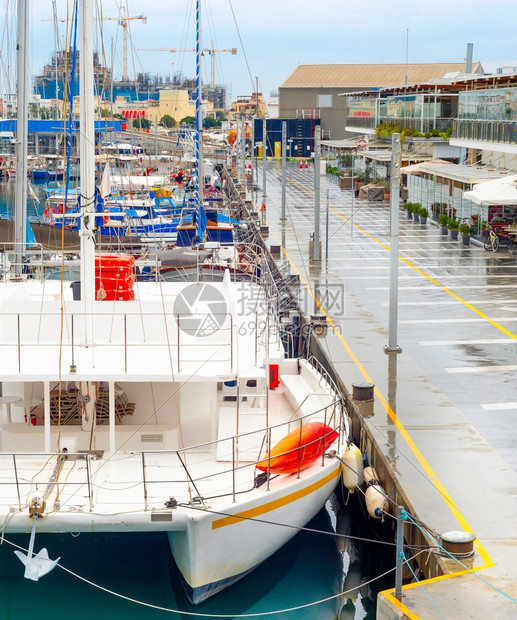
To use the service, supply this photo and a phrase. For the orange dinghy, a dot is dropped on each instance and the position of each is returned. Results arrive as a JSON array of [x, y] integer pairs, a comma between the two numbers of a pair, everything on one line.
[[303, 446]]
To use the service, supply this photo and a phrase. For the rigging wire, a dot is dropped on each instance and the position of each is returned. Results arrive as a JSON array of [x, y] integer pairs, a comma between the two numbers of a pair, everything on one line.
[[242, 45]]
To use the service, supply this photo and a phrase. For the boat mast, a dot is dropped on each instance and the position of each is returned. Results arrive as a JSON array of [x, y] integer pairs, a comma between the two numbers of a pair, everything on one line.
[[87, 167], [20, 204], [198, 190]]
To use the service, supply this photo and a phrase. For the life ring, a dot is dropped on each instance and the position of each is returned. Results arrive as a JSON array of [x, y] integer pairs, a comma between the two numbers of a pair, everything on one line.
[[49, 212], [60, 208]]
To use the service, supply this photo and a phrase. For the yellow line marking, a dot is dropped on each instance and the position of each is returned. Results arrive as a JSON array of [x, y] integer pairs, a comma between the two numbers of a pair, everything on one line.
[[400, 427], [413, 447], [399, 605], [418, 270], [277, 503]]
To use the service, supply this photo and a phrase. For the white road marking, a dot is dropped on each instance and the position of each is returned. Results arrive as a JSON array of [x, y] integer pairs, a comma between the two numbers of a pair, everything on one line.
[[475, 369], [440, 343], [499, 406]]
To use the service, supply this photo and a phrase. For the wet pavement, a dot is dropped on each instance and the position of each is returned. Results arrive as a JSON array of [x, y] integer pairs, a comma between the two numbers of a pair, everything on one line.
[[446, 406]]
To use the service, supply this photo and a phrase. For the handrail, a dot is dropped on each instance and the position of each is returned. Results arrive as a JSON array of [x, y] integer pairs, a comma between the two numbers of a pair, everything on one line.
[[21, 482], [327, 413], [339, 427]]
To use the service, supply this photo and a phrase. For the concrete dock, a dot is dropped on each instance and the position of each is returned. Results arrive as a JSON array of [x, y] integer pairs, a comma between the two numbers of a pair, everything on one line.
[[445, 409]]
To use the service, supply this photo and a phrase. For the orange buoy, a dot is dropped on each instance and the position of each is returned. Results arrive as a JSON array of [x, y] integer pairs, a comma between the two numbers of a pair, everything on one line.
[[299, 449]]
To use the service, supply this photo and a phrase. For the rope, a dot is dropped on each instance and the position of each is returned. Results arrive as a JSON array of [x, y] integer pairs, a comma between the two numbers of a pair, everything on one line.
[[288, 525], [403, 557], [201, 615], [452, 557]]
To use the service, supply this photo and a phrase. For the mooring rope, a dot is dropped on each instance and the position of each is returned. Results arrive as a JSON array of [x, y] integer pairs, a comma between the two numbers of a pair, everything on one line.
[[202, 615]]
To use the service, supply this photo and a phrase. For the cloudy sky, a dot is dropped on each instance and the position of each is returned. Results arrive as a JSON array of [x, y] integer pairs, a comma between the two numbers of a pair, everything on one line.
[[274, 36]]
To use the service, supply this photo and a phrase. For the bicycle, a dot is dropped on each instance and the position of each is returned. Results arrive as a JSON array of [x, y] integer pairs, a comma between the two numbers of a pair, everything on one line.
[[492, 241]]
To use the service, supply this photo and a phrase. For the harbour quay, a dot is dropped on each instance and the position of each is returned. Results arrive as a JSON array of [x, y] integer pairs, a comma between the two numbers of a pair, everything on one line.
[[439, 427]]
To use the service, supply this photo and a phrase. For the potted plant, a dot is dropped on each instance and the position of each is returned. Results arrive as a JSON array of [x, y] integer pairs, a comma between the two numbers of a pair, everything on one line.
[[484, 230], [443, 220], [387, 187], [424, 214], [416, 211], [409, 210], [359, 181], [453, 226], [465, 230]]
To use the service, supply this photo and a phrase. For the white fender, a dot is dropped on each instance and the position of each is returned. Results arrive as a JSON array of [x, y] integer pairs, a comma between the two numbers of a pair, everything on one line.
[[369, 474], [376, 501], [352, 467]]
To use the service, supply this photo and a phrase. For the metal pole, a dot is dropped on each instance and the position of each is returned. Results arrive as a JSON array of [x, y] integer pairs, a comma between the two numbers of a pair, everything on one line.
[[284, 175], [87, 170], [20, 204], [327, 229], [399, 553], [243, 151], [353, 197], [156, 137], [394, 245], [317, 179], [252, 153], [264, 149]]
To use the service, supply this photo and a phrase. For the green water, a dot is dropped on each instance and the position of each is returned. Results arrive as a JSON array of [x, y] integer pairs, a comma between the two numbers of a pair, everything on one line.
[[309, 568]]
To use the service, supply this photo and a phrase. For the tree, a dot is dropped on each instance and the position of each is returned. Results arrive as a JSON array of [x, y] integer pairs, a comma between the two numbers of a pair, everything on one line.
[[211, 122], [168, 121], [142, 123], [188, 120]]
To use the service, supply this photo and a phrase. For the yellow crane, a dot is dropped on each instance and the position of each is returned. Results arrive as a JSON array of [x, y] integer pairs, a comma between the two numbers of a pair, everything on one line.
[[211, 51], [123, 21]]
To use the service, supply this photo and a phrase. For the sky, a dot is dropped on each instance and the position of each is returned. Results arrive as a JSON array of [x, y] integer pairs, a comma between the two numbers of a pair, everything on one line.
[[272, 37]]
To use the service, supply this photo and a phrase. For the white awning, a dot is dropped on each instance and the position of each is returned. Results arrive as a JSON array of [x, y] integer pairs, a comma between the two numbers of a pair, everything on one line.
[[501, 191]]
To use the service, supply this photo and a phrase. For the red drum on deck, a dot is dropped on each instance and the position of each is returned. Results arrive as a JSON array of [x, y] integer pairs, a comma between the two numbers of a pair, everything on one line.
[[114, 274]]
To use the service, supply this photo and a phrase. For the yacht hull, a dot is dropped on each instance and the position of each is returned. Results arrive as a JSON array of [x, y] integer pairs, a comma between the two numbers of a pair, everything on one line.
[[215, 551]]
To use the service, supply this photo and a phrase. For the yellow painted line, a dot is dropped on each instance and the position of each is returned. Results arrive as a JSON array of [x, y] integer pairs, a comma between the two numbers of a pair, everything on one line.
[[277, 503], [413, 447], [420, 272], [400, 427], [399, 605]]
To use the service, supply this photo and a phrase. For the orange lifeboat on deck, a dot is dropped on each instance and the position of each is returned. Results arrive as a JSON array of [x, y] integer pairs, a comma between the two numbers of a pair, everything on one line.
[[302, 446]]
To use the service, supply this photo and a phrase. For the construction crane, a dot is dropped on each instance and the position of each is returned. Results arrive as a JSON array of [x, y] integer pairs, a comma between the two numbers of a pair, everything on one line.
[[211, 51], [123, 21]]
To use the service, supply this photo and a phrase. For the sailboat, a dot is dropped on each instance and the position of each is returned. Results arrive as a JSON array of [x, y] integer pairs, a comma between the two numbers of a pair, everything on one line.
[[159, 406]]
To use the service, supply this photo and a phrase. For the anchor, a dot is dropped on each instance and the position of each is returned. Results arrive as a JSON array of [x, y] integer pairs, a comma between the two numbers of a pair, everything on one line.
[[40, 564]]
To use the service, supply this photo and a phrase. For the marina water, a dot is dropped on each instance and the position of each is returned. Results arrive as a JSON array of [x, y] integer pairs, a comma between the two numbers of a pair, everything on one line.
[[311, 567]]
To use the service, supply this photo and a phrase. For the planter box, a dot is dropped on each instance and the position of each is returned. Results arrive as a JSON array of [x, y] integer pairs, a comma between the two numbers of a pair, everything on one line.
[[345, 182], [375, 193]]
